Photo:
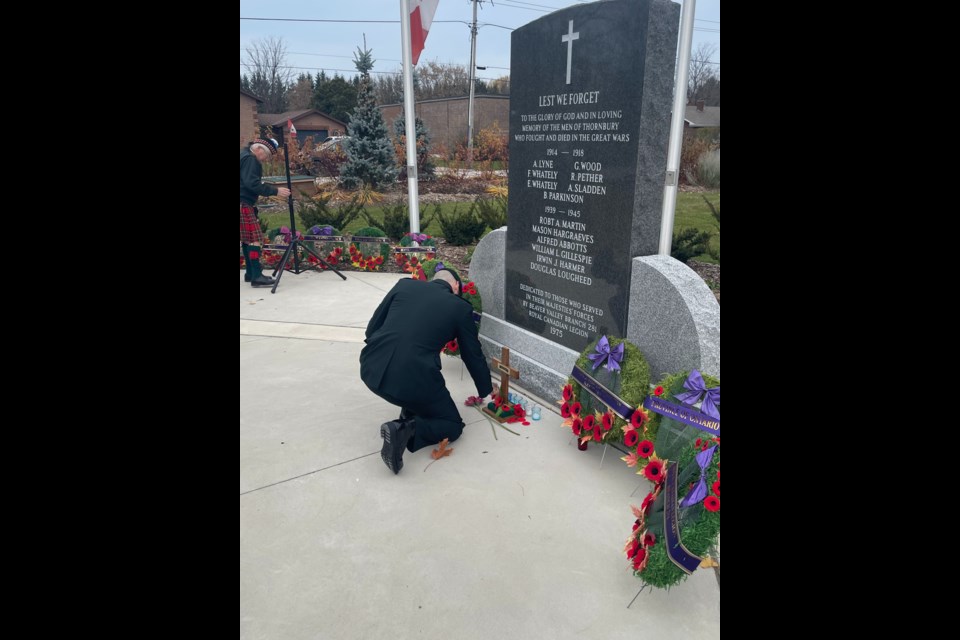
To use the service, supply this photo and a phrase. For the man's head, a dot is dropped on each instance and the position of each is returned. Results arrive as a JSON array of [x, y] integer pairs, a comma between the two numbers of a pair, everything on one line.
[[263, 148], [449, 278]]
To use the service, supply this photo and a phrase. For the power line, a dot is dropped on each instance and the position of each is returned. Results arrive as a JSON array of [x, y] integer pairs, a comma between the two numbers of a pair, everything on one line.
[[347, 21]]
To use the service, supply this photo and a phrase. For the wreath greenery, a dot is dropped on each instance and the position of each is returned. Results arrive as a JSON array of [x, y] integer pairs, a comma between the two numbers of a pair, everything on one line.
[[588, 417]]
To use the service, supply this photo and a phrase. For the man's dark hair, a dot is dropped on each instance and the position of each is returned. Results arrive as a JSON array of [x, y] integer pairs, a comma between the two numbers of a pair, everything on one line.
[[455, 277]]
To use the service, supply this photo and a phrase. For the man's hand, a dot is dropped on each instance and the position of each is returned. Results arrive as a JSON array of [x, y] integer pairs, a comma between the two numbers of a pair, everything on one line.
[[496, 391], [283, 192]]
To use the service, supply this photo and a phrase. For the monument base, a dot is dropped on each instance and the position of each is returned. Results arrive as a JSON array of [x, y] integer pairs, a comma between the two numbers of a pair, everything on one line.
[[543, 376]]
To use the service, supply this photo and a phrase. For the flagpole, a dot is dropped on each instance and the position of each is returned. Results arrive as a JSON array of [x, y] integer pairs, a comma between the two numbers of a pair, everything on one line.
[[409, 117]]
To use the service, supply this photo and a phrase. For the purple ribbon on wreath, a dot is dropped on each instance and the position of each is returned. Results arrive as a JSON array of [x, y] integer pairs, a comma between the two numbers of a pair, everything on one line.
[[317, 230], [699, 492], [419, 237], [697, 387], [440, 267], [604, 352]]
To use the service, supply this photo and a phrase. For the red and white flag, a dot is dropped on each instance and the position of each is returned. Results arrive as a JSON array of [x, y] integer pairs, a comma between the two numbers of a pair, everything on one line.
[[293, 129], [421, 17]]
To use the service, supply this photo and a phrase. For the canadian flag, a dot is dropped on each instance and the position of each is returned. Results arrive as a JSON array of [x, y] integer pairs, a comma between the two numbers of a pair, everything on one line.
[[421, 16], [293, 129]]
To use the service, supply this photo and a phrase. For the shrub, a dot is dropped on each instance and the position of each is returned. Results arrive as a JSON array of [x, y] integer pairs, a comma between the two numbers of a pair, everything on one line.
[[690, 243], [460, 228], [493, 211], [396, 219], [708, 169], [316, 212], [693, 147]]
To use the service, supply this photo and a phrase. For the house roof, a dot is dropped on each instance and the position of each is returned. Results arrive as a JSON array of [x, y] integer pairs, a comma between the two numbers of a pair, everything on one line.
[[252, 95], [276, 119], [709, 117]]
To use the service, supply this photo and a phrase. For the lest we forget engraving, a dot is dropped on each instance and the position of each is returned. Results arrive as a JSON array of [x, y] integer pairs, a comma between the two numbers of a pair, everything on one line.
[[577, 122]]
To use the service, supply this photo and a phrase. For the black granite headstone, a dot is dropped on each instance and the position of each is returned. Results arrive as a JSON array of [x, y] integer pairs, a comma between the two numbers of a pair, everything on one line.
[[590, 97]]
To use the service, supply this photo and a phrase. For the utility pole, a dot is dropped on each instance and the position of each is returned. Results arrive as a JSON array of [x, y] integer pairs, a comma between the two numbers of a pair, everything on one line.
[[473, 82]]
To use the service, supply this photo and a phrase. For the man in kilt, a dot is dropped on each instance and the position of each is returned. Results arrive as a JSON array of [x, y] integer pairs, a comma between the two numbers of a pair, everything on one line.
[[251, 188]]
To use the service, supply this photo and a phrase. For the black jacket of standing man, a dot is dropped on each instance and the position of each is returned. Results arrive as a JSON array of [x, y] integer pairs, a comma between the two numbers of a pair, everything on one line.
[[401, 362]]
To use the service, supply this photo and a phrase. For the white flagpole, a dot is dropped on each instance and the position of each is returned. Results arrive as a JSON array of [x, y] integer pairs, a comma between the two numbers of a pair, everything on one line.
[[409, 117], [676, 128]]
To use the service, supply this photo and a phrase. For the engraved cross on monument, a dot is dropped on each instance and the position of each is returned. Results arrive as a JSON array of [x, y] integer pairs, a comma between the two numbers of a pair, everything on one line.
[[506, 372], [569, 38]]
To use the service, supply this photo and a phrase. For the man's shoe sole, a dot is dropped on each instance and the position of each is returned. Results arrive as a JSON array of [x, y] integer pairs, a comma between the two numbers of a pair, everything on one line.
[[390, 433]]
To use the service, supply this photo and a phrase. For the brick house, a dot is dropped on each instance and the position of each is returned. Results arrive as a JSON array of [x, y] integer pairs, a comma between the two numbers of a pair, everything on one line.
[[249, 123], [446, 118], [308, 122]]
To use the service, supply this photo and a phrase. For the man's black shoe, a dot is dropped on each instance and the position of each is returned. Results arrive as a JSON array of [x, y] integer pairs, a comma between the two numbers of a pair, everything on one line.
[[395, 436], [262, 281]]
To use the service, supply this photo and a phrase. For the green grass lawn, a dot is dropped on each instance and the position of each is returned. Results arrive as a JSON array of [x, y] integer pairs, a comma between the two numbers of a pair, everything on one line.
[[692, 211]]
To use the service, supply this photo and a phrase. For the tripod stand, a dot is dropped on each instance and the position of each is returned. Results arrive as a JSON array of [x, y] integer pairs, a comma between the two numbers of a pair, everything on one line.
[[295, 243]]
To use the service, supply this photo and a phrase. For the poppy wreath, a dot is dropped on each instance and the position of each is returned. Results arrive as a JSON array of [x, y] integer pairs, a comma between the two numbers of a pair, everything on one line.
[[693, 487], [334, 250], [684, 411], [470, 293], [373, 261], [621, 370]]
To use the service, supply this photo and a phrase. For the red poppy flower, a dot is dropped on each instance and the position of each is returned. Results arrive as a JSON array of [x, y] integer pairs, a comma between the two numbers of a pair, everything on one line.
[[654, 471], [645, 449], [597, 434], [638, 418], [565, 410], [658, 391], [452, 345], [607, 420], [698, 442], [577, 426], [379, 260], [639, 558], [518, 411], [630, 438], [588, 423], [575, 409], [648, 501], [649, 539], [711, 503], [568, 393], [718, 473], [716, 487], [636, 524], [632, 551]]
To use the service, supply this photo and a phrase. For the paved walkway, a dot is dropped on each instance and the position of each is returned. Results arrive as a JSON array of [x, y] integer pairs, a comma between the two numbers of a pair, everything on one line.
[[510, 537]]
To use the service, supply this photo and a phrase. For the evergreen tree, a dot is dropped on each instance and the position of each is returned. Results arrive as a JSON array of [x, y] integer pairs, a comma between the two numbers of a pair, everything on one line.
[[335, 97], [370, 154], [424, 166]]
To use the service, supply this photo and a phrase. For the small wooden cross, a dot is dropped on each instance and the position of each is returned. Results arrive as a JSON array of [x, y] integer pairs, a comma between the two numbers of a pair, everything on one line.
[[506, 372]]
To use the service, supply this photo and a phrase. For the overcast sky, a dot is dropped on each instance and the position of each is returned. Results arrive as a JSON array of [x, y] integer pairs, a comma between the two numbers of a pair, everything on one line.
[[312, 46]]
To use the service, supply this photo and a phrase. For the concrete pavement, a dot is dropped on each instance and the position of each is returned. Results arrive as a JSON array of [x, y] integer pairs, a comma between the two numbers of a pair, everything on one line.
[[509, 537]]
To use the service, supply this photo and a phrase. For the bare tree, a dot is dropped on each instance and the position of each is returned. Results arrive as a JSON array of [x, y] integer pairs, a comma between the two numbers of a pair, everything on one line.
[[702, 71], [269, 73], [301, 93]]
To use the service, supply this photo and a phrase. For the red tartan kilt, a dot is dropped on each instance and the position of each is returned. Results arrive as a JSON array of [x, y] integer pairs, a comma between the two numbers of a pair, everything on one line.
[[249, 226]]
